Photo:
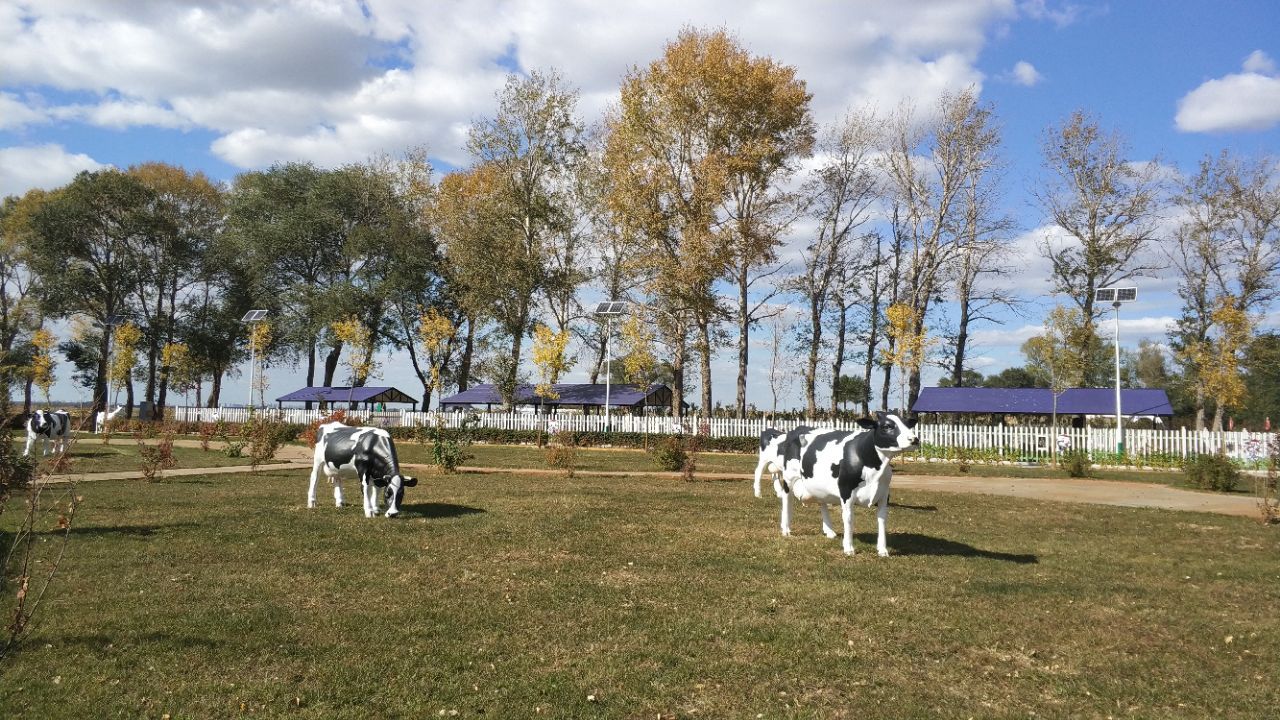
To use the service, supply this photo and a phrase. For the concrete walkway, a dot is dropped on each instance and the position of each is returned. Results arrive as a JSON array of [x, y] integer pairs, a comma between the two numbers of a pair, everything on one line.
[[1077, 490]]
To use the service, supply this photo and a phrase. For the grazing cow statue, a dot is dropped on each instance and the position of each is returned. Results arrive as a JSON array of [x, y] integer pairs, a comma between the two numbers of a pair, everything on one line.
[[772, 445], [847, 467], [366, 453], [103, 417], [48, 427]]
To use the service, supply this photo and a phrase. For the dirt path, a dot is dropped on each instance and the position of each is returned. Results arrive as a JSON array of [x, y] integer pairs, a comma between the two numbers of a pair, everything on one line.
[[1096, 492]]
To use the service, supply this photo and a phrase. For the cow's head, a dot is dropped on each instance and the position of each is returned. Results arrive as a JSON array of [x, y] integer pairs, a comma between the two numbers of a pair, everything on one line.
[[892, 434], [393, 489], [39, 421]]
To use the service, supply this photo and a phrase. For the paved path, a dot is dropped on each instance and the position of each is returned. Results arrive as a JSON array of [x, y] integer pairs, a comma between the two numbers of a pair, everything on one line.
[[1078, 490]]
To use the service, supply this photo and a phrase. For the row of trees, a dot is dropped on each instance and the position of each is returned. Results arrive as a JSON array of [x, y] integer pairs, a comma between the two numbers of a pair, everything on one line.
[[688, 200]]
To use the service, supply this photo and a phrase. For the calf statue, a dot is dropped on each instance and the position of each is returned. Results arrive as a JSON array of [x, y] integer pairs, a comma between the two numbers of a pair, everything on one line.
[[366, 453], [846, 467], [48, 428]]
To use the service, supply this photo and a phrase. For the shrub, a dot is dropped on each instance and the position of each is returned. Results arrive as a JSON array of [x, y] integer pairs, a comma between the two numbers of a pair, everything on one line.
[[155, 457], [265, 438], [1076, 462], [309, 434], [1212, 471], [669, 454], [562, 453], [449, 448]]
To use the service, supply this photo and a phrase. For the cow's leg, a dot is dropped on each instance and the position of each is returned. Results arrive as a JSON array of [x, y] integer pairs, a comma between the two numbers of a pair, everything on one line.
[[31, 440], [786, 514], [882, 515], [826, 522], [759, 471], [311, 489], [337, 491], [370, 502], [846, 512]]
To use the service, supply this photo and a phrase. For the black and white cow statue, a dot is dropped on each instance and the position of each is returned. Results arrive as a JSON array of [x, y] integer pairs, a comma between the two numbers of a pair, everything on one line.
[[849, 468], [771, 449], [48, 428], [365, 453]]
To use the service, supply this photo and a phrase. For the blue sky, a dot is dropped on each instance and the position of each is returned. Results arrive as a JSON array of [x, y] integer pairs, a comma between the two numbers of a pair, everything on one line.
[[230, 86]]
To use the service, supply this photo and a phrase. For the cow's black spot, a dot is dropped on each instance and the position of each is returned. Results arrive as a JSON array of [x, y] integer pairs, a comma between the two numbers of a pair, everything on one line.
[[339, 446], [859, 455], [791, 444], [821, 441], [767, 437]]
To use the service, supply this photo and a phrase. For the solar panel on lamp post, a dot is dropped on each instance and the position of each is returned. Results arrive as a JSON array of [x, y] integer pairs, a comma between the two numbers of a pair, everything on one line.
[[608, 309], [1116, 296], [252, 317]]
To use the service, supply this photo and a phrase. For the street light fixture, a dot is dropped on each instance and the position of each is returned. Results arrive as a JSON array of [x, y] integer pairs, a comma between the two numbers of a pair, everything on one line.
[[252, 317], [608, 310], [1116, 296]]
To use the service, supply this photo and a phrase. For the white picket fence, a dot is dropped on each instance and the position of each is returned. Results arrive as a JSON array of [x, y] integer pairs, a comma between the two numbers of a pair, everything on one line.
[[1014, 443]]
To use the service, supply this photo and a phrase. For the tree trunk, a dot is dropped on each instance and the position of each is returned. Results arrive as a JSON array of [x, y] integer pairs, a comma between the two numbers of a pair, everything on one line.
[[888, 376], [128, 398], [962, 339], [331, 364], [704, 339], [215, 389], [811, 367], [311, 367], [677, 377], [837, 363], [744, 344], [100, 399], [468, 349]]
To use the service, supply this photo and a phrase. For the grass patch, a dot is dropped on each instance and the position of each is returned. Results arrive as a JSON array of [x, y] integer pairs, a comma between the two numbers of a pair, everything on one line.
[[89, 455], [510, 595]]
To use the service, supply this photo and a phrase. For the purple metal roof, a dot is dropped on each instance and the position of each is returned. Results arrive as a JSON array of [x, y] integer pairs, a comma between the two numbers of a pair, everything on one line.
[[570, 394], [1039, 401], [366, 394]]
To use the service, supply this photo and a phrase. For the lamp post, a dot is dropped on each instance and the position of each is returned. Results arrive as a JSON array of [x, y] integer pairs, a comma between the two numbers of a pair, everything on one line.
[[251, 318], [608, 310], [108, 323], [1116, 296]]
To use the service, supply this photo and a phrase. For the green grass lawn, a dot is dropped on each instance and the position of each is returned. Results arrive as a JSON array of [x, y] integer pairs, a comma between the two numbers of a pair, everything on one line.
[[517, 596], [89, 455], [628, 460]]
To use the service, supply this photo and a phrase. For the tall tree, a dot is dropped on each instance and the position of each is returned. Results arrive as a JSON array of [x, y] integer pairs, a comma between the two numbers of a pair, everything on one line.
[[80, 251], [1107, 206], [20, 314], [531, 149], [187, 211], [839, 196], [672, 149], [774, 130], [958, 149]]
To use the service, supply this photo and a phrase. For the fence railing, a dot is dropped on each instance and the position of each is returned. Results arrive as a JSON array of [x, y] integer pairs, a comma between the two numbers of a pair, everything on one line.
[[1012, 443]]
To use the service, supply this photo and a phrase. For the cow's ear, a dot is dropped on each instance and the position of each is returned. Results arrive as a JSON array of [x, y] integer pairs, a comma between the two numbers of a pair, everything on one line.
[[911, 423], [382, 481], [408, 481], [881, 415], [867, 423]]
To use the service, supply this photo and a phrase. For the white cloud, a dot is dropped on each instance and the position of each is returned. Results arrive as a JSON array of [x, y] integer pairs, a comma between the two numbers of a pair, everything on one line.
[[40, 166], [1062, 15], [15, 113], [335, 79], [1244, 101], [1259, 62], [1024, 73]]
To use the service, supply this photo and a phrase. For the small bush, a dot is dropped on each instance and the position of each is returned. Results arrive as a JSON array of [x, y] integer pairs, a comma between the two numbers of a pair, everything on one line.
[[669, 454], [1076, 462], [265, 438], [1212, 472], [449, 448], [562, 453], [155, 457], [309, 435]]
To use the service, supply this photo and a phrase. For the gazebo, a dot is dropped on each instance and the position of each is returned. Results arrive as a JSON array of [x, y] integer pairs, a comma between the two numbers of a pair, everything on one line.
[[579, 396], [371, 397]]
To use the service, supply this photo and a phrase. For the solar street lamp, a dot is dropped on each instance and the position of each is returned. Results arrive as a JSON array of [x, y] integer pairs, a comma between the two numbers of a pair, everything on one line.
[[608, 310], [250, 318], [1116, 296], [108, 323]]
